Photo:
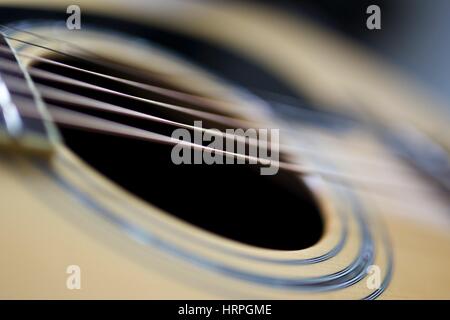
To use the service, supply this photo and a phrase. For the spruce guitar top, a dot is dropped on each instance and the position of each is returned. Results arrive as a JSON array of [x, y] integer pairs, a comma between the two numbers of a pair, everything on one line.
[[187, 150]]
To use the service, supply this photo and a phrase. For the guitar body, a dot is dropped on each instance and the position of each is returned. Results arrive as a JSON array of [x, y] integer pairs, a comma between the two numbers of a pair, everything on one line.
[[59, 209]]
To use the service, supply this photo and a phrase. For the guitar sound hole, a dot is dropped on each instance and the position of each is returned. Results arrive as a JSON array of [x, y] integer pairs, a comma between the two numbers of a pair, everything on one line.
[[233, 201]]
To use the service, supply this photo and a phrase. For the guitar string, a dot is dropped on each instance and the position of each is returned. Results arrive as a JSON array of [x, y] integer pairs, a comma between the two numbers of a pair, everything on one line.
[[207, 102], [114, 64], [310, 113], [305, 150], [39, 72], [168, 92], [182, 96], [204, 101], [89, 102], [300, 107], [318, 114]]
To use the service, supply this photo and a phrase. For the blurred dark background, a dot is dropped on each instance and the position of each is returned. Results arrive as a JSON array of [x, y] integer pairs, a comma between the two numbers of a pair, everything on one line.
[[415, 34]]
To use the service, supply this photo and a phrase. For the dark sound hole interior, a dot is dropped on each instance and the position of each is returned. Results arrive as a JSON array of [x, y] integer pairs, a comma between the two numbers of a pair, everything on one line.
[[233, 201]]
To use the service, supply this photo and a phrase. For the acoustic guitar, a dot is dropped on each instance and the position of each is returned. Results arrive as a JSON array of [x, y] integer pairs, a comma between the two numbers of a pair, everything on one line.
[[94, 207]]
